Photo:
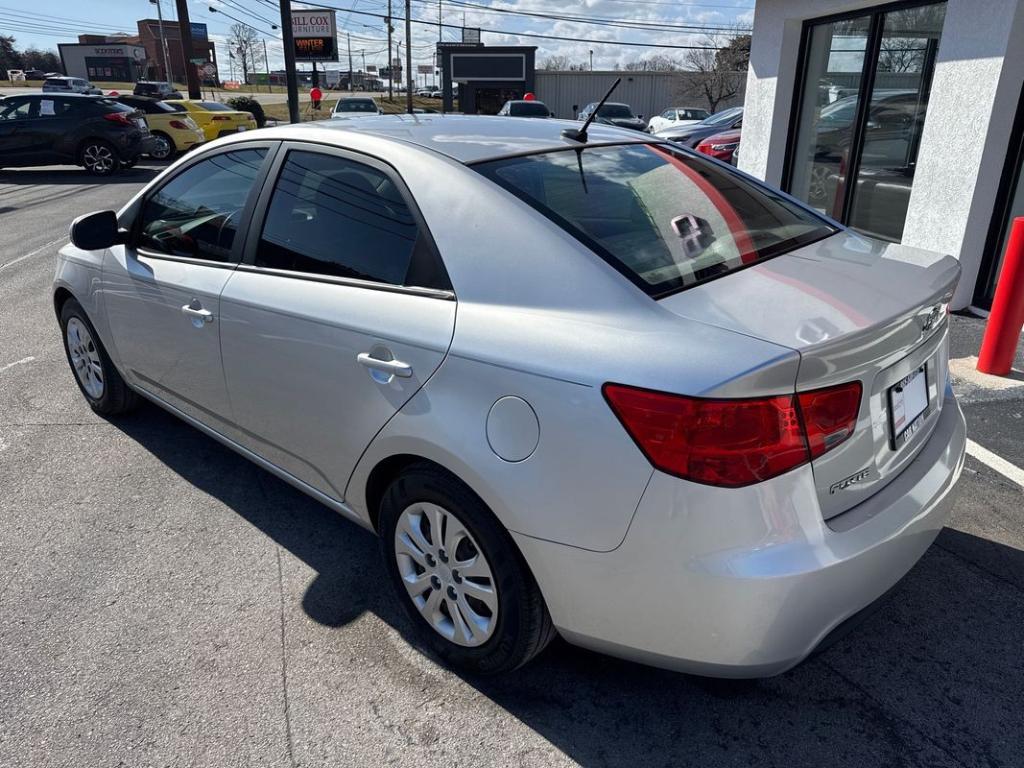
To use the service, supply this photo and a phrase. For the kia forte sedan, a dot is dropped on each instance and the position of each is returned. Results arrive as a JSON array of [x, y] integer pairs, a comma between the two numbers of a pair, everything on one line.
[[607, 388]]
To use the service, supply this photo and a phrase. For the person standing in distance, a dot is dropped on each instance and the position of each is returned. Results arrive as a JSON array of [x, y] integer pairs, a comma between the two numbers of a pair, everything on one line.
[[315, 96]]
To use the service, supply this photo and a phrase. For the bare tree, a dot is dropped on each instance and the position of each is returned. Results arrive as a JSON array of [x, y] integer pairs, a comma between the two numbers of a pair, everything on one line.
[[718, 73], [657, 63], [563, 64], [242, 43]]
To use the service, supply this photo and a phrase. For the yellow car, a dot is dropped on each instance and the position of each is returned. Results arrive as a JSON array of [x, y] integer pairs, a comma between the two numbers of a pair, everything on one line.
[[173, 130], [216, 119]]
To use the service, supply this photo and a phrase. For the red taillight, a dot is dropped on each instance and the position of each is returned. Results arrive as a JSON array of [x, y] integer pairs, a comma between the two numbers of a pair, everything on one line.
[[118, 117], [733, 443], [179, 125], [830, 415]]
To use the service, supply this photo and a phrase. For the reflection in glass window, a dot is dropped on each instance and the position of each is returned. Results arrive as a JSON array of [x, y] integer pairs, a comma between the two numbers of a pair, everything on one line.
[[665, 219], [196, 213], [333, 216]]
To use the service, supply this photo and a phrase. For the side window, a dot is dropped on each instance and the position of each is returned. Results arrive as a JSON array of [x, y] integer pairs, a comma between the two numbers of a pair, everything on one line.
[[16, 109], [196, 213], [669, 114], [333, 216]]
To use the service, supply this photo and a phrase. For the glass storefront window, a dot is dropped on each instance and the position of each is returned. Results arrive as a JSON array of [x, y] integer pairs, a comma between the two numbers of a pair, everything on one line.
[[854, 157]]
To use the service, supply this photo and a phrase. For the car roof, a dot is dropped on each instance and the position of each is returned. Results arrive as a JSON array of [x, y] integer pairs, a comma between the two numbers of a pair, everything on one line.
[[465, 138], [84, 96]]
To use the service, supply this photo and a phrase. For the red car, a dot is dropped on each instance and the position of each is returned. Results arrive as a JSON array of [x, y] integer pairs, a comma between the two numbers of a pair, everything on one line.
[[721, 145]]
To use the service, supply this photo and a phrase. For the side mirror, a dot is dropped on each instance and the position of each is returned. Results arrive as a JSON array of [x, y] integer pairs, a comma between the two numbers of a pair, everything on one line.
[[639, 117], [96, 231]]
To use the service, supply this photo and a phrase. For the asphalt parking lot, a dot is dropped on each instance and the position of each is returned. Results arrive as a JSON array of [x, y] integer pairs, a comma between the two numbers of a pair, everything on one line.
[[163, 602]]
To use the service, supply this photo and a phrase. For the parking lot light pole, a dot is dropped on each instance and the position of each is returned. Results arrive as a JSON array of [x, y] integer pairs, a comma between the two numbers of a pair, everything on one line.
[[408, 57], [289, 61], [163, 40]]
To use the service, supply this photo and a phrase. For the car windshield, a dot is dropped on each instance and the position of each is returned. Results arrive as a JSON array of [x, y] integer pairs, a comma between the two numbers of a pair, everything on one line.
[[215, 106], [725, 116], [615, 110], [666, 220], [356, 105], [57, 81], [528, 108]]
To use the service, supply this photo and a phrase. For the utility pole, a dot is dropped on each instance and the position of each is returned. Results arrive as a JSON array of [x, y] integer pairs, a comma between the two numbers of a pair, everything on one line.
[[408, 56], [289, 60], [188, 50], [348, 36], [591, 61], [266, 65], [363, 54], [391, 68], [163, 41]]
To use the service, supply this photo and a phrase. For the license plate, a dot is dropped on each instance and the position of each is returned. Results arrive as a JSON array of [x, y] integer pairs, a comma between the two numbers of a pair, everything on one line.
[[140, 122], [908, 406], [242, 128]]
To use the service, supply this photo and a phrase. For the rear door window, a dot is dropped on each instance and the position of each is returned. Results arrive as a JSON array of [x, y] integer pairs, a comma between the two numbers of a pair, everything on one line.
[[330, 215], [197, 213], [665, 219]]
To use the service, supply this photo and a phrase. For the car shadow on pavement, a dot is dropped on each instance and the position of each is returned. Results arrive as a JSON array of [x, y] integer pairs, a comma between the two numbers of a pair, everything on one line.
[[934, 677], [49, 176]]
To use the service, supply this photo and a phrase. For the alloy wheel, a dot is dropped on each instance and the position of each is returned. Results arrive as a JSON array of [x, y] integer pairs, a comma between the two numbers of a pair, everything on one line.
[[98, 158], [446, 574], [85, 358], [162, 148]]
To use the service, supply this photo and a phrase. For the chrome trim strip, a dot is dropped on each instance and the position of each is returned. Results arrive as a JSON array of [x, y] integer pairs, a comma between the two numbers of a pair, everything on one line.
[[412, 290]]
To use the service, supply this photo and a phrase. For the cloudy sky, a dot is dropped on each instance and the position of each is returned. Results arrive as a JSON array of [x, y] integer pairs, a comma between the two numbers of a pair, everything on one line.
[[65, 19]]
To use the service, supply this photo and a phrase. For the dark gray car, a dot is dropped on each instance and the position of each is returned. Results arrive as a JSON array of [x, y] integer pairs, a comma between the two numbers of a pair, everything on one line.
[[692, 135], [615, 114]]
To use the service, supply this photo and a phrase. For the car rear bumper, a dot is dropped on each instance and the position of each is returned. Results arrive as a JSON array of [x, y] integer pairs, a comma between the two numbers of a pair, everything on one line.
[[746, 582]]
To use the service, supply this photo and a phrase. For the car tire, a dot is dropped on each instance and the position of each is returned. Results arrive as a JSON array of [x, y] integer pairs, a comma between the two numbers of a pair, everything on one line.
[[97, 378], [98, 157], [479, 640], [165, 148]]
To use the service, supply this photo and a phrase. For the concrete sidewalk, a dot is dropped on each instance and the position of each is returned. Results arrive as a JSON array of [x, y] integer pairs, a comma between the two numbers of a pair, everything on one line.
[[971, 386]]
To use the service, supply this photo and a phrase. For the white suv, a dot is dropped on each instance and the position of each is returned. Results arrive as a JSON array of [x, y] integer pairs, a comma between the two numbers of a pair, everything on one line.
[[70, 85]]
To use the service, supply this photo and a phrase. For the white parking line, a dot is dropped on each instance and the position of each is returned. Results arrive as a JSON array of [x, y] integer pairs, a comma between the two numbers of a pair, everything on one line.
[[998, 463], [16, 362], [38, 250]]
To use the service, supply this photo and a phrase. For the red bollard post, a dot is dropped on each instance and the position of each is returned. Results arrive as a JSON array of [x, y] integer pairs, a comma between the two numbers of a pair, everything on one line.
[[1007, 316]]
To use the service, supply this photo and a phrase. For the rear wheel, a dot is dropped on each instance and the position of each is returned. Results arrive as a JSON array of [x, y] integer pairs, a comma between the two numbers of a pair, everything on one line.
[[99, 158], [101, 384], [163, 147], [459, 576]]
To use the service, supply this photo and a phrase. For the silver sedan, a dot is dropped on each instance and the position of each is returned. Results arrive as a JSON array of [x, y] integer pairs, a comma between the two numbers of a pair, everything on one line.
[[598, 386]]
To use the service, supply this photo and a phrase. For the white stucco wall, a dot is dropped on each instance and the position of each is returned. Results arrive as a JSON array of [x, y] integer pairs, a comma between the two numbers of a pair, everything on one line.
[[978, 79]]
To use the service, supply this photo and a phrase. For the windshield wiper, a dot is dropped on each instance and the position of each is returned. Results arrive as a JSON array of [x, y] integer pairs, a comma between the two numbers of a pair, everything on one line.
[[580, 134]]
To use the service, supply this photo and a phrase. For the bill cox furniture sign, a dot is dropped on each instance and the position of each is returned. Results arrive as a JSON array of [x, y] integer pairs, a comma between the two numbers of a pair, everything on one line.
[[315, 35]]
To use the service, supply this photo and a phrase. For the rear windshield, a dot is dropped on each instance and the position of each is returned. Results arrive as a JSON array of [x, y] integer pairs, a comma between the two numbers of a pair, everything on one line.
[[665, 219], [215, 106], [615, 110], [57, 81], [723, 117], [353, 105], [528, 108]]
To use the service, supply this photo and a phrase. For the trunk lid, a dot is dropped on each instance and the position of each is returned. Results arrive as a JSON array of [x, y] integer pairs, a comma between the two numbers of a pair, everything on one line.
[[854, 309]]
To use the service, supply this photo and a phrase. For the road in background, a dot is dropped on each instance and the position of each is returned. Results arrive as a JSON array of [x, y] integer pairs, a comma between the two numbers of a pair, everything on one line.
[[165, 602]]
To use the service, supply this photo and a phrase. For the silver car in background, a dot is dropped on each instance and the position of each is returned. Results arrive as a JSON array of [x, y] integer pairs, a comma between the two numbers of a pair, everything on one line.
[[606, 388]]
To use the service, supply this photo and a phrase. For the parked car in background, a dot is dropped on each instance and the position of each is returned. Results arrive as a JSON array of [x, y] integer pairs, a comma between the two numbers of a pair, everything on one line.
[[70, 85], [720, 146], [156, 90], [173, 129], [677, 116], [356, 106], [756, 401], [615, 114], [524, 108], [37, 74], [216, 119], [94, 132], [437, 94], [692, 135]]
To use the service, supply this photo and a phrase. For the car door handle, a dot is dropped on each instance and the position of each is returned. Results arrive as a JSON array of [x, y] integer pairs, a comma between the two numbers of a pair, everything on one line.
[[196, 312], [393, 367]]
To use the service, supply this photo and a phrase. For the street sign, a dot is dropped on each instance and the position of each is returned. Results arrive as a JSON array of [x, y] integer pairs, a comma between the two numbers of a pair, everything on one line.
[[471, 35], [425, 69], [198, 60], [315, 33], [209, 69]]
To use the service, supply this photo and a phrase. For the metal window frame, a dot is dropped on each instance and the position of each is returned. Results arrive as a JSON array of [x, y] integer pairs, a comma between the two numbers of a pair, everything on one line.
[[876, 15]]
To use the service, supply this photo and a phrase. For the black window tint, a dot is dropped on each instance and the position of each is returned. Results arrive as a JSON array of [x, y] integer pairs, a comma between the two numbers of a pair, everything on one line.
[[333, 216], [196, 213], [16, 109]]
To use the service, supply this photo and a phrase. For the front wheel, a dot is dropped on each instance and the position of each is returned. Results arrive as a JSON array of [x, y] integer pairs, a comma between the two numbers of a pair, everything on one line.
[[459, 575], [163, 146], [101, 384], [99, 158]]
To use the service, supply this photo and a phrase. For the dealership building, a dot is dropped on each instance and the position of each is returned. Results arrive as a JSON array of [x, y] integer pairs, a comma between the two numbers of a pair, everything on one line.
[[120, 61], [902, 120]]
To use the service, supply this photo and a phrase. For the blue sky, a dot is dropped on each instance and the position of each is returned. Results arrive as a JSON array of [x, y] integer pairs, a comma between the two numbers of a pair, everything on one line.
[[65, 19]]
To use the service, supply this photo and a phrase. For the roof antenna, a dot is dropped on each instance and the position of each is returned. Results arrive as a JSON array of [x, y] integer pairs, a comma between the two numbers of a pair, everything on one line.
[[580, 134]]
